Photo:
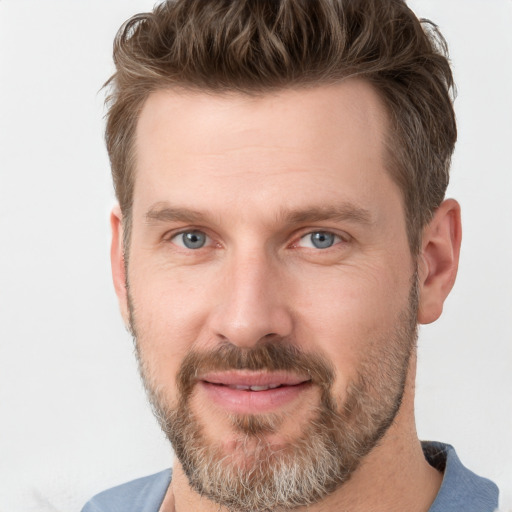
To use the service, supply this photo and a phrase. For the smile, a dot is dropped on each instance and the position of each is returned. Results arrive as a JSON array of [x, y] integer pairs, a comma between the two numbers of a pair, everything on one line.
[[241, 387], [245, 392]]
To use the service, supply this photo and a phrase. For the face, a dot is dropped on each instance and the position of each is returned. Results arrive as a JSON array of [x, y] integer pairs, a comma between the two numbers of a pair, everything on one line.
[[271, 287]]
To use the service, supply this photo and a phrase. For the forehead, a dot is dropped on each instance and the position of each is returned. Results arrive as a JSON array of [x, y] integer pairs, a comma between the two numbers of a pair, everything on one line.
[[283, 145], [309, 117]]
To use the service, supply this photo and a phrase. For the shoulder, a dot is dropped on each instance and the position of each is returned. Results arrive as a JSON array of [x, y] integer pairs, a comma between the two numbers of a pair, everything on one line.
[[142, 495], [461, 488]]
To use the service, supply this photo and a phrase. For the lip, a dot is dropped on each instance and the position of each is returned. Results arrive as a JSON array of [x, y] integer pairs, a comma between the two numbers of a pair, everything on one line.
[[229, 390], [252, 378]]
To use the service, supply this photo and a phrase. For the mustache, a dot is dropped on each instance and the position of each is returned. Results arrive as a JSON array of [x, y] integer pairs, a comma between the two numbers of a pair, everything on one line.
[[276, 355]]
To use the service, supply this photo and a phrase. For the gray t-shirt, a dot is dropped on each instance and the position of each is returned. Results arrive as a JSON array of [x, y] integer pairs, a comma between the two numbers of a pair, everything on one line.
[[461, 488]]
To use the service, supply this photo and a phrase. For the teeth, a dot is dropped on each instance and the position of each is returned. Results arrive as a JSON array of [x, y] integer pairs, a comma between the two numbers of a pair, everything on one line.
[[254, 388]]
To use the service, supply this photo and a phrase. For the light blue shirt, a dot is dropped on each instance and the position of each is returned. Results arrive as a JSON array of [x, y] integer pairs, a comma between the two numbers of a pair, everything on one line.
[[461, 489]]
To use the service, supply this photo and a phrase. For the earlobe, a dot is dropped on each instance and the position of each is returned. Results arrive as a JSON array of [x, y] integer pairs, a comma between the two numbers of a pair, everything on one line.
[[438, 260], [117, 262]]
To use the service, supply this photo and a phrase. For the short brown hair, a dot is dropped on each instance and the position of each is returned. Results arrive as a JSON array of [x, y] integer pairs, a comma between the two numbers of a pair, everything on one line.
[[256, 46]]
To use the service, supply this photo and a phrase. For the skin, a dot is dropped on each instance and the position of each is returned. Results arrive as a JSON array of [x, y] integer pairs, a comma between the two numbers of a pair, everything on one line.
[[252, 168]]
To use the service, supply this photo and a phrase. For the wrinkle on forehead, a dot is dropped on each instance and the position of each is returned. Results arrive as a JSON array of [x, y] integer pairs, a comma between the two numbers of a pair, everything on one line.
[[262, 123]]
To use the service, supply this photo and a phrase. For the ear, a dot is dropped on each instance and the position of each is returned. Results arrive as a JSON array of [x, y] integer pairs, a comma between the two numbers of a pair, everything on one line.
[[117, 262], [438, 260]]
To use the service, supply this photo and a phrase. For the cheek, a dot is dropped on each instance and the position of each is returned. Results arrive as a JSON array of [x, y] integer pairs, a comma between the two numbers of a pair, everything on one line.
[[168, 315], [346, 312], [169, 301]]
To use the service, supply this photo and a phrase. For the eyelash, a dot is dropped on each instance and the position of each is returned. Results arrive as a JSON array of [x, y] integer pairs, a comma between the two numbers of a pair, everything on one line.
[[337, 239], [328, 237], [173, 236]]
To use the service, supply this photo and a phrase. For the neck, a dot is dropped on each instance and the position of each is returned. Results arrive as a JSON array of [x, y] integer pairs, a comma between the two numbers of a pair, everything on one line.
[[393, 476]]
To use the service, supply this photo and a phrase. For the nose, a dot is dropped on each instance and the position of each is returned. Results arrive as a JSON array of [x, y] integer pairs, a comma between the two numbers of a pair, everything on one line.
[[251, 305]]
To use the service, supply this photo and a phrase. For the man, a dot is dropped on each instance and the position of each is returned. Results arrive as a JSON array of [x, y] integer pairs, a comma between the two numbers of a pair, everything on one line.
[[281, 168]]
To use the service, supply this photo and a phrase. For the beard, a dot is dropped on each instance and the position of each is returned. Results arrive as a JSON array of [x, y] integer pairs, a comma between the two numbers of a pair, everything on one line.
[[257, 475]]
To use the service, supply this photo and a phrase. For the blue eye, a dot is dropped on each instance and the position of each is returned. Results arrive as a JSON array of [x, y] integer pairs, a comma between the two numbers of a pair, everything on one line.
[[319, 240], [190, 239]]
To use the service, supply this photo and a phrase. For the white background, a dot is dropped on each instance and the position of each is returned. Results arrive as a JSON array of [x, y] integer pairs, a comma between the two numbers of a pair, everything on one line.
[[73, 417]]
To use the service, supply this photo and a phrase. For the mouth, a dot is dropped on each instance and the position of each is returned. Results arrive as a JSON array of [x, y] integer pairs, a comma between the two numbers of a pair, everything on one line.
[[246, 392], [242, 387]]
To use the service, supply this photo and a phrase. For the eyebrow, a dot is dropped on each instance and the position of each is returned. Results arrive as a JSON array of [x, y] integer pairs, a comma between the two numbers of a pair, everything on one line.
[[162, 212], [344, 212], [340, 213]]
